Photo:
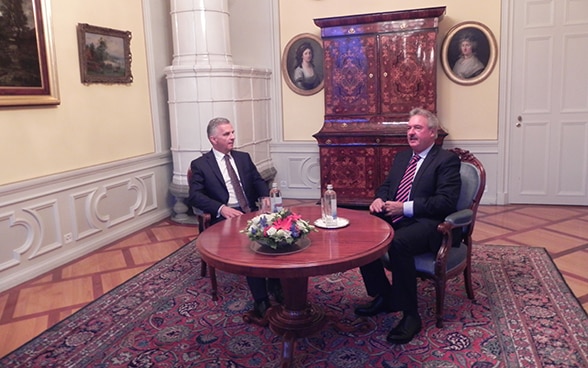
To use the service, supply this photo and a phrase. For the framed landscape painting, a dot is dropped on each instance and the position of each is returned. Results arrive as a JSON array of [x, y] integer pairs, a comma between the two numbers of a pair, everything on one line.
[[28, 73], [105, 54]]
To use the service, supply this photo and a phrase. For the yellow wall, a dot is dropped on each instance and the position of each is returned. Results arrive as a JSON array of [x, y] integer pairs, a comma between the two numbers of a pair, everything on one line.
[[95, 123], [100, 123], [467, 112]]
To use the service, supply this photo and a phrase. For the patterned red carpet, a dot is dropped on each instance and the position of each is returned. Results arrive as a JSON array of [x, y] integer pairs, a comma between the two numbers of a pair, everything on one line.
[[524, 316]]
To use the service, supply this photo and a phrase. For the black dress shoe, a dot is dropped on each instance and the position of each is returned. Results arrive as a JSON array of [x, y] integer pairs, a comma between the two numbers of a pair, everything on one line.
[[406, 330], [380, 304], [259, 308]]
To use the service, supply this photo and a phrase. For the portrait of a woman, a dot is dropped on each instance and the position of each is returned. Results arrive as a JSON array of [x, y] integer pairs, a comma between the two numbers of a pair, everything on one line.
[[467, 65], [468, 53], [302, 64], [305, 75]]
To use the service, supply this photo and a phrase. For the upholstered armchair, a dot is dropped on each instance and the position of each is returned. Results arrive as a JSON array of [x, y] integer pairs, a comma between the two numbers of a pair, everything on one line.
[[450, 262]]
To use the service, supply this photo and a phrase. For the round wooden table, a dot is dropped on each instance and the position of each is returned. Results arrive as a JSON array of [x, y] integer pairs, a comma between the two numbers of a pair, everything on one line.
[[365, 239]]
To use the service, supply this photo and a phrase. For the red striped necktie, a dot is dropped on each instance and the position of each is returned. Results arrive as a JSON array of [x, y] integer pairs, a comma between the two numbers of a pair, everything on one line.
[[406, 183]]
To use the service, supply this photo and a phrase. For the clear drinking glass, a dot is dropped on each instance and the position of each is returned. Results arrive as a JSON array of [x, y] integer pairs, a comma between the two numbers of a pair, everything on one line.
[[263, 203]]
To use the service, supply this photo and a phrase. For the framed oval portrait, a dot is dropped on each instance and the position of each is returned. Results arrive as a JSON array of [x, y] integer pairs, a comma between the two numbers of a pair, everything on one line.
[[468, 53], [302, 64]]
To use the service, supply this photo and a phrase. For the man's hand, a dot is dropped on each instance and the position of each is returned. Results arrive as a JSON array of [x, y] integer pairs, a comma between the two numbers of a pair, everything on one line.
[[389, 208], [393, 208], [377, 205], [229, 212]]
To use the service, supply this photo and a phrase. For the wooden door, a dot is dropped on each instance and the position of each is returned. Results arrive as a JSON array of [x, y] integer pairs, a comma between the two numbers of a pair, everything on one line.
[[548, 112]]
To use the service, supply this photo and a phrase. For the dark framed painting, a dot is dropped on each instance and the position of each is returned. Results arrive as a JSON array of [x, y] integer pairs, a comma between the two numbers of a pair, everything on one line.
[[28, 72], [105, 54], [302, 64], [468, 53]]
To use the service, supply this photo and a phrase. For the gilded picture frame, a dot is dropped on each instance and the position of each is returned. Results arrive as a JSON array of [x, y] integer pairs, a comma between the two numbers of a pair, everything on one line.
[[28, 69], [295, 75], [468, 53], [105, 54]]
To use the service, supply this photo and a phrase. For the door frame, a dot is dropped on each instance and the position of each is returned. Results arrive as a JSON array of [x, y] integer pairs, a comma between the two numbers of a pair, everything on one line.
[[504, 107]]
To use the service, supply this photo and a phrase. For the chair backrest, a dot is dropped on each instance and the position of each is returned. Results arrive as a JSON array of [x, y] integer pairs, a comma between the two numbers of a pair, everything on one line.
[[203, 218], [470, 183], [473, 183]]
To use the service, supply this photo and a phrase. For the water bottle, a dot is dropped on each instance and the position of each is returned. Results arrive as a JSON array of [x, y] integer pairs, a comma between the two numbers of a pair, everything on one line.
[[275, 198], [329, 206]]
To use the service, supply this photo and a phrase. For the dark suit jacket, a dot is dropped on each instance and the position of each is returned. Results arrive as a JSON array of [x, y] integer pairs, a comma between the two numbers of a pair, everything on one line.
[[435, 188], [207, 187]]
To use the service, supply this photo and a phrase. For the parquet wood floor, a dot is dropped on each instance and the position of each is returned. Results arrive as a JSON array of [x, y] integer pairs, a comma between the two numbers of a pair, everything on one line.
[[34, 306]]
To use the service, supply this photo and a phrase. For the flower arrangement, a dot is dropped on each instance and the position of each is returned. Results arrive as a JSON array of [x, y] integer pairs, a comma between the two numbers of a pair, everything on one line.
[[277, 230]]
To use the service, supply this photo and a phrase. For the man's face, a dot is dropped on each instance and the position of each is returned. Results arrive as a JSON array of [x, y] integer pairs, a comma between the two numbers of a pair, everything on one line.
[[223, 138], [419, 136]]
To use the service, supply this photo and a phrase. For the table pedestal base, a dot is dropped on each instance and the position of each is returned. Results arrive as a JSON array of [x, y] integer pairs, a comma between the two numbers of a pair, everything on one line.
[[297, 323], [294, 324], [296, 318]]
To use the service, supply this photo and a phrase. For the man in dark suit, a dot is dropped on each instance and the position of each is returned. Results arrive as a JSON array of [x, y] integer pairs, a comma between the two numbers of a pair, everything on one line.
[[414, 199], [213, 191]]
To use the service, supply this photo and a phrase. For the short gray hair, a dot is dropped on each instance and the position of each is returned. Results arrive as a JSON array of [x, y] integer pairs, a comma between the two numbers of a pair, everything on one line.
[[432, 120], [212, 124]]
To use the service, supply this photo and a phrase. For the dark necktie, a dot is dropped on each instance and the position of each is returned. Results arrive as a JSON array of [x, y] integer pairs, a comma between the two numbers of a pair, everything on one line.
[[406, 183], [237, 185]]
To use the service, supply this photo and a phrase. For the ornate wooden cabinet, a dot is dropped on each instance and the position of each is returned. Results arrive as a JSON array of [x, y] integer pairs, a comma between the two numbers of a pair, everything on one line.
[[378, 67]]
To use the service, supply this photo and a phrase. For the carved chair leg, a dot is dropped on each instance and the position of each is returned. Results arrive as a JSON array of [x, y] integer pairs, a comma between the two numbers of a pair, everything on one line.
[[440, 291], [214, 291], [467, 276], [214, 284], [202, 268]]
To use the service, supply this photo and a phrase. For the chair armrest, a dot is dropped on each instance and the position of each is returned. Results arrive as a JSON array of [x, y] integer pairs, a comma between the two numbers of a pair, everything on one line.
[[461, 218], [456, 219]]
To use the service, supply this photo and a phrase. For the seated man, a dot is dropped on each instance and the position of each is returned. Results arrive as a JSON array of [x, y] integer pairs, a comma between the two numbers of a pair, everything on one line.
[[226, 183], [421, 189]]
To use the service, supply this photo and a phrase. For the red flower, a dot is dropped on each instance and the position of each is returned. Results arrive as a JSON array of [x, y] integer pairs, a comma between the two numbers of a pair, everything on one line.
[[283, 223]]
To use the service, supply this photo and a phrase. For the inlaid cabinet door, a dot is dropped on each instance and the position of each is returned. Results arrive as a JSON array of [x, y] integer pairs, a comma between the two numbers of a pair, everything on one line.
[[350, 75], [408, 71], [351, 170]]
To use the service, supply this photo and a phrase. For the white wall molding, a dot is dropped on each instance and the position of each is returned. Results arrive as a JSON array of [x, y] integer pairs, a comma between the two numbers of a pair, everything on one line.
[[298, 168], [49, 221]]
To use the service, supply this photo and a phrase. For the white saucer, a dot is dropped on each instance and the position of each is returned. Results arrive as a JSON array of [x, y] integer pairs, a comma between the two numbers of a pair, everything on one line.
[[341, 222]]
